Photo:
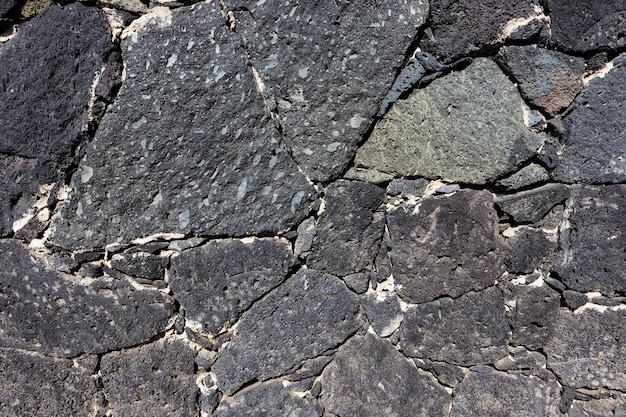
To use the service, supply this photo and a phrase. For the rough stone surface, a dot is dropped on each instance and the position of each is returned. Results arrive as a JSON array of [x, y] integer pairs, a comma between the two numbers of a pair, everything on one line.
[[526, 249], [465, 127], [520, 358], [607, 407], [585, 350], [383, 311], [496, 394], [548, 79], [592, 257], [349, 230], [469, 330], [188, 140], [41, 310], [316, 61], [532, 205], [216, 282], [156, 379], [444, 245], [588, 24], [369, 377], [140, 265], [308, 314], [34, 386], [529, 175], [599, 114], [306, 233]]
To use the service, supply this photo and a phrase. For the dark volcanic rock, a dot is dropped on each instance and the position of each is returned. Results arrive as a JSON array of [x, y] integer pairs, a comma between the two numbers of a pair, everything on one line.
[[469, 330], [188, 145], [592, 257], [216, 282], [349, 230], [444, 245], [155, 379], [526, 249], [7, 5], [586, 25], [529, 175], [470, 27], [34, 386], [530, 206], [44, 311], [307, 315], [586, 349], [599, 113], [547, 79], [317, 61], [139, 265], [383, 311], [606, 407], [369, 377], [497, 394]]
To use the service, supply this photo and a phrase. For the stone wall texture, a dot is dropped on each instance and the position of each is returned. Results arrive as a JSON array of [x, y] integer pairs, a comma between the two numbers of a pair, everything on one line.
[[313, 208]]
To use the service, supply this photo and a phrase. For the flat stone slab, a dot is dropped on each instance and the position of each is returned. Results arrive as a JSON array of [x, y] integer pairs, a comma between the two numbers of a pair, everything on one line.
[[592, 257], [44, 311], [34, 385], [585, 350], [530, 206], [369, 377], [526, 249], [496, 394], [155, 379], [188, 146], [316, 61], [307, 315], [216, 282], [465, 127], [349, 229], [469, 330], [599, 114], [383, 311], [444, 245]]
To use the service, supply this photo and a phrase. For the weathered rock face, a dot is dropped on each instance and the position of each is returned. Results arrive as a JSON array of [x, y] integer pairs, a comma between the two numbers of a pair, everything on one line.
[[598, 114], [168, 158], [317, 61], [526, 249], [215, 283], [530, 206], [44, 311], [465, 127], [307, 315], [444, 245], [368, 377]]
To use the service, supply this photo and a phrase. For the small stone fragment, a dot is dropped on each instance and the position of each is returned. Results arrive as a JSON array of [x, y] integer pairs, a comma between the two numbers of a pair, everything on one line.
[[446, 374], [407, 188], [306, 233], [139, 265], [367, 175], [574, 299], [408, 78], [520, 358], [529, 175], [526, 249], [530, 206], [359, 282], [382, 309]]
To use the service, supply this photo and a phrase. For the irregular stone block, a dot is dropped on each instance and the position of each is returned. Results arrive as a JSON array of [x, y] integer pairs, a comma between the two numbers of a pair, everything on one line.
[[140, 265], [526, 249], [445, 245], [520, 358], [41, 310], [359, 282], [471, 27], [316, 61], [187, 147], [407, 188], [606, 407], [588, 24], [469, 330], [270, 398], [548, 79], [529, 175], [465, 127], [155, 379], [216, 282], [34, 386], [369, 377], [308, 314], [349, 230], [306, 233], [592, 257], [586, 349], [599, 114], [383, 311], [497, 394], [530, 206]]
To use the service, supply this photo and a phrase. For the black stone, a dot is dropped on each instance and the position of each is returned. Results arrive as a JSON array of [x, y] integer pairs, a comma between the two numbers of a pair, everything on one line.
[[530, 206], [526, 249], [574, 299], [359, 282], [140, 265], [383, 311]]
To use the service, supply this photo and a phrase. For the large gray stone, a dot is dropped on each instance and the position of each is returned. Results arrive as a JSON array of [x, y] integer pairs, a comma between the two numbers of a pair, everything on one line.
[[445, 245], [326, 66], [155, 379], [465, 127], [369, 377], [548, 79], [586, 349], [595, 133], [188, 147], [307, 315], [497, 394], [42, 310], [35, 386], [469, 330], [216, 282], [592, 256], [349, 230]]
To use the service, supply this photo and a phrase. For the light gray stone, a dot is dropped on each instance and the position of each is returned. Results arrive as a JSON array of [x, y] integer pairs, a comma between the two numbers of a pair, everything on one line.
[[383, 311], [306, 233], [530, 206], [529, 175]]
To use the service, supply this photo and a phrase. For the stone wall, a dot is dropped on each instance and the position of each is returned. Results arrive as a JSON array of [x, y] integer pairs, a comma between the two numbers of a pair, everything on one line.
[[313, 208]]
